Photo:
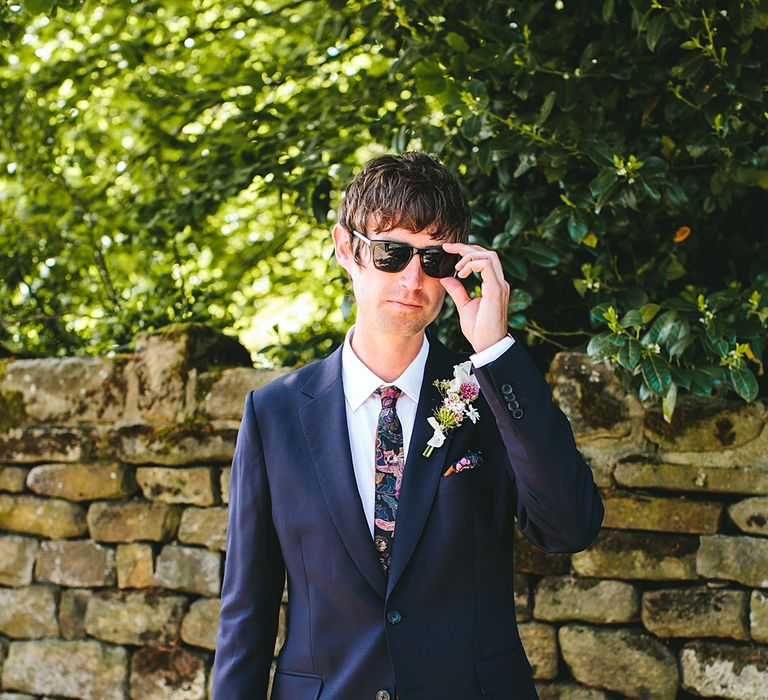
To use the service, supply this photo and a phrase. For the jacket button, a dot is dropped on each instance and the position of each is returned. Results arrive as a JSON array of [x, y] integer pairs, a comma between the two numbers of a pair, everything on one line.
[[512, 405], [382, 695], [393, 617], [517, 413], [506, 389]]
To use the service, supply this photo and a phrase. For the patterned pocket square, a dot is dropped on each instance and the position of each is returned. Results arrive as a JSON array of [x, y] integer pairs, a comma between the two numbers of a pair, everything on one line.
[[468, 461]]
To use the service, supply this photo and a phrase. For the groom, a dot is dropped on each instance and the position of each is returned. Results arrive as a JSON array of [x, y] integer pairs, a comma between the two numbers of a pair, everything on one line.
[[399, 565]]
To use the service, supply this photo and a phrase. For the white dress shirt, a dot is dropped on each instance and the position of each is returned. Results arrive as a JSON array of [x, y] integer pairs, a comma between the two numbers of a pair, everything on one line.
[[363, 406]]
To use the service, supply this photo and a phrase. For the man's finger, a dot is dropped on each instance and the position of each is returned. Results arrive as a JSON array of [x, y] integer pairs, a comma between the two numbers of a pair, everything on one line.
[[456, 291]]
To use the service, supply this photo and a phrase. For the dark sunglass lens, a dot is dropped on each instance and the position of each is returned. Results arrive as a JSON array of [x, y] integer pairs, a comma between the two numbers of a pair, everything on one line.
[[390, 257], [438, 263]]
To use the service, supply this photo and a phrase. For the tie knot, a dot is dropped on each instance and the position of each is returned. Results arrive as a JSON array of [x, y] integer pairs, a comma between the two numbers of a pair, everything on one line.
[[389, 395]]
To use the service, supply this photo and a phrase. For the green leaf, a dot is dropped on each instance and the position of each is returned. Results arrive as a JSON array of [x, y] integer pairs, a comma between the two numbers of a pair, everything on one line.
[[597, 314], [546, 107], [517, 321], [519, 299], [36, 7], [541, 255], [457, 42], [602, 182], [744, 382], [669, 401], [648, 311], [630, 354], [607, 11], [633, 318], [471, 126], [656, 28], [577, 227], [656, 374], [601, 346]]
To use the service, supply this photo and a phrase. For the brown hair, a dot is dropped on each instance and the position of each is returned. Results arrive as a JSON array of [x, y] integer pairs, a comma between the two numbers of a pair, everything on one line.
[[412, 191]]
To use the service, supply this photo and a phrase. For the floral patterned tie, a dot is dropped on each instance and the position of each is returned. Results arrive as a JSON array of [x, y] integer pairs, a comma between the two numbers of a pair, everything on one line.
[[389, 473]]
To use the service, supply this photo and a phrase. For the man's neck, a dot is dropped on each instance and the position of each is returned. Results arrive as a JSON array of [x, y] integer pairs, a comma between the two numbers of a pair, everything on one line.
[[386, 356]]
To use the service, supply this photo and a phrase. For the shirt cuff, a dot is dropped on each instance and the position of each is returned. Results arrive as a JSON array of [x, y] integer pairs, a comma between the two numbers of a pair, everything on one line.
[[494, 352]]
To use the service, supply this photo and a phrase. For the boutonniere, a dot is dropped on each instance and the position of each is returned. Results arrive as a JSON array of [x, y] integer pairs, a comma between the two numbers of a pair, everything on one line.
[[458, 395]]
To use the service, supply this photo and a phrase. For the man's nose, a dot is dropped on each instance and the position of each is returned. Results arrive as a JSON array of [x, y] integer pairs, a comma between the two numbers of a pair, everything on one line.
[[412, 276]]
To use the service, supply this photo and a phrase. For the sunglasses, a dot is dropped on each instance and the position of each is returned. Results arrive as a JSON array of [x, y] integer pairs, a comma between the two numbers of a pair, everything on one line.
[[394, 256]]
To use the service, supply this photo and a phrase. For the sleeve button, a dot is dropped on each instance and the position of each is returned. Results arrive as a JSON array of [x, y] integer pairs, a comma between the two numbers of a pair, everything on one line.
[[506, 389], [517, 413]]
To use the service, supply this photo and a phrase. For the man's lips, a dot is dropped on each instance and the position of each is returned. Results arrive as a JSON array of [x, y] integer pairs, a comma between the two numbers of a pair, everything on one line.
[[410, 304]]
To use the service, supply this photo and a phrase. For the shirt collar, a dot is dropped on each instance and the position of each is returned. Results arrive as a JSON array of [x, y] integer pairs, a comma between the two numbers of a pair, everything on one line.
[[359, 382]]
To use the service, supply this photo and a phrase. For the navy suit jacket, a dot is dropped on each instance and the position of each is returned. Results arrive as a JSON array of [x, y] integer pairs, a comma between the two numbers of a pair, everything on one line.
[[442, 625]]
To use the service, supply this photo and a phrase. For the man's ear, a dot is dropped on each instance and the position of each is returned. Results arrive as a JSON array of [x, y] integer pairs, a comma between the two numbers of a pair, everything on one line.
[[343, 247]]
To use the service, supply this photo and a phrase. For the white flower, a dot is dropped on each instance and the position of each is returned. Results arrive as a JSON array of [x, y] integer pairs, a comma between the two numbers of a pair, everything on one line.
[[461, 374], [472, 414]]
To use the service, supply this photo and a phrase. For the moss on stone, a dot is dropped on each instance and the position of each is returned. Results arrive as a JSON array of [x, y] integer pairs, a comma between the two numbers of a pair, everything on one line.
[[13, 413], [206, 381]]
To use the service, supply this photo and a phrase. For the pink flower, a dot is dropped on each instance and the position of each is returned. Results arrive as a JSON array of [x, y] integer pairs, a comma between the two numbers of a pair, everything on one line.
[[469, 391]]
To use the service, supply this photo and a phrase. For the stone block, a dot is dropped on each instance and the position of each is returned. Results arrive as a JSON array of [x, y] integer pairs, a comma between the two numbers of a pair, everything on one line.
[[132, 521], [621, 660], [569, 691], [73, 669], [540, 644], [135, 566], [79, 563], [591, 600], [630, 555], [758, 617], [222, 393], [696, 612], [201, 622], [134, 618], [522, 598], [16, 696], [46, 517], [224, 484], [189, 569], [205, 526], [173, 444], [724, 670], [17, 557], [750, 515], [72, 607], [67, 390], [705, 425], [159, 674], [28, 612], [44, 443], [597, 406], [627, 511], [696, 476], [164, 362], [12, 479], [530, 559], [176, 485], [743, 559], [82, 482]]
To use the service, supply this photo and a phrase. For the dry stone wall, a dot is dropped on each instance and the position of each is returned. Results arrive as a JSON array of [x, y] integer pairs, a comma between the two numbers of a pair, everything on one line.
[[114, 476]]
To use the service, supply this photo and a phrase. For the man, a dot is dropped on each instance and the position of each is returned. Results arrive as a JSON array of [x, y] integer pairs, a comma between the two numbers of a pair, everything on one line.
[[399, 564]]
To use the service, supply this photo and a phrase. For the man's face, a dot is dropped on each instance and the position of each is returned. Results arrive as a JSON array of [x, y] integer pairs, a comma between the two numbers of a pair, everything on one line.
[[391, 303]]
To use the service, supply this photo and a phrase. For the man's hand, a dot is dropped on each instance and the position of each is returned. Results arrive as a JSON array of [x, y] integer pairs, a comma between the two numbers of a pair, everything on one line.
[[484, 318]]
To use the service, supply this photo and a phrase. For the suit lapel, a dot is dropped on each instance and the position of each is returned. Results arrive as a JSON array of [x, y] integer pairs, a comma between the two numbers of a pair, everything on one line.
[[324, 421], [421, 474]]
